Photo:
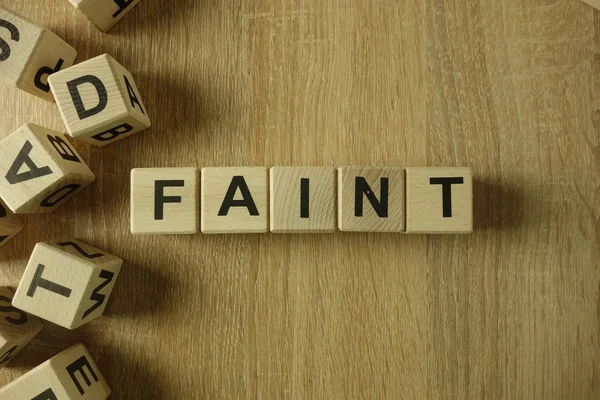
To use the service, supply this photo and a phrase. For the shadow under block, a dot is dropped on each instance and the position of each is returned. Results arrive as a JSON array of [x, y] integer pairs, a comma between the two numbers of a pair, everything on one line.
[[104, 13], [67, 283], [439, 200], [40, 170], [303, 199], [10, 224], [234, 200], [30, 53], [164, 201], [99, 101], [70, 375], [371, 199], [17, 328]]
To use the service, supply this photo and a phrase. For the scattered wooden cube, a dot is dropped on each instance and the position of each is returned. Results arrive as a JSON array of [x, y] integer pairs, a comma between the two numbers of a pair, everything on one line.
[[439, 200], [164, 201], [10, 224], [17, 328], [104, 13], [67, 282], [371, 199], [234, 200], [99, 101], [593, 3], [303, 199], [70, 375], [40, 170], [29, 53]]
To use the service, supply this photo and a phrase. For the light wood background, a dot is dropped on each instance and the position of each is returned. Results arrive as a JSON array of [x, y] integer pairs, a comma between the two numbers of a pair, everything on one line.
[[507, 87]]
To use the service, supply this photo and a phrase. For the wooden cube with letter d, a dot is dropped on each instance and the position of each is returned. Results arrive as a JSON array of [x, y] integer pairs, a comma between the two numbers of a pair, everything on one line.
[[70, 375], [67, 282], [99, 101]]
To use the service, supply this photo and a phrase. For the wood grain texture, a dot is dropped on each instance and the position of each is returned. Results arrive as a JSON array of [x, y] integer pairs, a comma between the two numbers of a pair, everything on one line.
[[508, 88]]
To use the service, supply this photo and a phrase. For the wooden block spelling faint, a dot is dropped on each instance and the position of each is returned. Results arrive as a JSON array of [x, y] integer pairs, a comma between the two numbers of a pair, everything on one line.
[[303, 199], [70, 375], [164, 201], [371, 199], [99, 101], [40, 170], [67, 282], [17, 328], [104, 13], [439, 200], [234, 200], [10, 224], [30, 53]]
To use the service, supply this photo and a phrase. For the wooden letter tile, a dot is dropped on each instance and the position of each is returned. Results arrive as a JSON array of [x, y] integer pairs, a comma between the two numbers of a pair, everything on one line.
[[40, 170], [10, 224], [17, 328], [164, 201], [31, 53], [234, 200], [371, 199], [439, 200], [303, 199], [67, 282], [70, 375], [99, 101], [104, 13]]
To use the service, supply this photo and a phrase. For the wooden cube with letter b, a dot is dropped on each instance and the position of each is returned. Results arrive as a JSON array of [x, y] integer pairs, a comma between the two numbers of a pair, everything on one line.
[[67, 282], [99, 101], [104, 13], [234, 200], [164, 201], [17, 328], [40, 170], [29, 53], [70, 375], [371, 199], [439, 200], [10, 224]]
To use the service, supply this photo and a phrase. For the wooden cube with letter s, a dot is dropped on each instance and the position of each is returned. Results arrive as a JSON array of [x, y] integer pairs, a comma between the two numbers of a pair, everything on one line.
[[70, 375], [67, 282], [29, 53], [40, 170], [99, 101]]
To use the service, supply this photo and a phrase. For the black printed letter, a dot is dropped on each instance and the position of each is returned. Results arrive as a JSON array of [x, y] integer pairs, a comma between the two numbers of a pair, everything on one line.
[[14, 176], [113, 133], [14, 36], [80, 250], [304, 198], [160, 199], [446, 192], [47, 394], [247, 200], [78, 366], [46, 71], [123, 4], [96, 296], [63, 149], [362, 187], [132, 96], [73, 86], [64, 192], [22, 317], [4, 358], [38, 281]]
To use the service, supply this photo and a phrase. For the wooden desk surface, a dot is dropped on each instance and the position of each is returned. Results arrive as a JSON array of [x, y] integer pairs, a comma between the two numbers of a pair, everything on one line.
[[506, 87]]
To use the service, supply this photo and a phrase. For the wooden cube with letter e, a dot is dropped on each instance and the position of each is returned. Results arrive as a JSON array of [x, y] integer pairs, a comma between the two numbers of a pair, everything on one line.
[[29, 53], [99, 101], [439, 200], [40, 170], [104, 13], [67, 282], [10, 224], [17, 328], [70, 375]]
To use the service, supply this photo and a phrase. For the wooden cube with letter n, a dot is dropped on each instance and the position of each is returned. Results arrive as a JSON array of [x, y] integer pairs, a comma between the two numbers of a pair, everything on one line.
[[99, 101], [10, 224], [439, 200], [234, 200], [164, 201], [40, 170], [17, 328], [371, 199], [303, 199], [29, 53], [67, 282], [104, 13], [70, 375]]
